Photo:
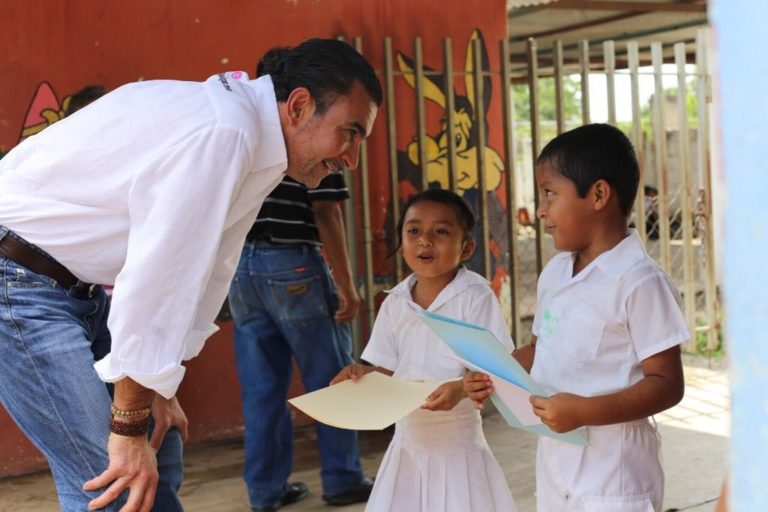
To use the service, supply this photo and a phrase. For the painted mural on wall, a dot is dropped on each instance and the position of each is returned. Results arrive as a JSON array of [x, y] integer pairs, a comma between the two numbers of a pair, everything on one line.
[[45, 108], [465, 119]]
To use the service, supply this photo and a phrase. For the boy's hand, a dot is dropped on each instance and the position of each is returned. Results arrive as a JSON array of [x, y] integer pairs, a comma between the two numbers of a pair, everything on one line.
[[353, 371], [445, 397], [478, 387], [560, 412]]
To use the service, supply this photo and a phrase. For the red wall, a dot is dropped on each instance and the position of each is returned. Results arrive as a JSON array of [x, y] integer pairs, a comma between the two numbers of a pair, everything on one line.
[[74, 44]]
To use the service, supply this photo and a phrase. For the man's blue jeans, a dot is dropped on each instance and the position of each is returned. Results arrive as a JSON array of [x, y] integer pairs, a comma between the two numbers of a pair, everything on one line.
[[283, 300], [49, 340]]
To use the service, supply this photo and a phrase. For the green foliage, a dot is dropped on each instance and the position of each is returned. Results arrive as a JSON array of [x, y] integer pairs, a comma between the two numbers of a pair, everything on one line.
[[572, 106], [701, 341], [646, 111], [546, 97], [545, 89]]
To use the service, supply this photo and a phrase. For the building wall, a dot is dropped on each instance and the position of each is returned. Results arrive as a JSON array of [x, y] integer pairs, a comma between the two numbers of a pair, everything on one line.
[[53, 48]]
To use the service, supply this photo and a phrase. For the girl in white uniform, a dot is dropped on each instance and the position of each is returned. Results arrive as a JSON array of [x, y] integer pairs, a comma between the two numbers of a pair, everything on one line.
[[607, 333], [438, 460]]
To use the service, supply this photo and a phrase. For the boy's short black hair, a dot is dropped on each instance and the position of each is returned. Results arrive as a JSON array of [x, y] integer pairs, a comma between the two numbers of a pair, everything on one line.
[[595, 152], [326, 67], [442, 196]]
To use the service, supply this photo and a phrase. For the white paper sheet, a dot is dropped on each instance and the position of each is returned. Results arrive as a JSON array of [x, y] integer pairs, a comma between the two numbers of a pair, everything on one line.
[[517, 399], [373, 402]]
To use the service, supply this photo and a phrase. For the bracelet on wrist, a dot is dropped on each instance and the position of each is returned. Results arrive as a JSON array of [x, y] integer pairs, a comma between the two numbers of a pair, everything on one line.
[[135, 413], [129, 428]]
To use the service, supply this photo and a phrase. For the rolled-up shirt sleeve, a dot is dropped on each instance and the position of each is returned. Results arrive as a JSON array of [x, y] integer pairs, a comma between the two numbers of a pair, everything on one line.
[[181, 245]]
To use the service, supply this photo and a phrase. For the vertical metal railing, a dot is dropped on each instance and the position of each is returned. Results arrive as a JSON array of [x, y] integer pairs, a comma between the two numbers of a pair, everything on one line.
[[394, 198], [633, 61], [686, 195], [482, 185], [508, 106], [704, 98], [585, 67], [565, 63], [660, 154], [533, 94], [421, 115], [557, 51], [609, 58], [367, 244], [450, 109]]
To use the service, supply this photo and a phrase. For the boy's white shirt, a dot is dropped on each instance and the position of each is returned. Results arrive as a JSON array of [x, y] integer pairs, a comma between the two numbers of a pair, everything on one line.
[[402, 342], [594, 329]]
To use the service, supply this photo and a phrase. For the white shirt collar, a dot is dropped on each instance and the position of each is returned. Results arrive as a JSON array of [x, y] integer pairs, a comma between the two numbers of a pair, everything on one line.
[[464, 279], [272, 151], [618, 260]]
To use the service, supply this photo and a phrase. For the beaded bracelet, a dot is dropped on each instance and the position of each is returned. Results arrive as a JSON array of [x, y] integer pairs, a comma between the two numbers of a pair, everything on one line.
[[122, 413], [129, 429]]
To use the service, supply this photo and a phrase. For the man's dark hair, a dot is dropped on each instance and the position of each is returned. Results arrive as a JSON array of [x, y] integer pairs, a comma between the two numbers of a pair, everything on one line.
[[326, 67], [595, 152], [437, 195], [85, 96]]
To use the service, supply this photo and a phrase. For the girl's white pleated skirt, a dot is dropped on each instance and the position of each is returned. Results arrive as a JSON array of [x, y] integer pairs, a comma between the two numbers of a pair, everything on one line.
[[439, 461]]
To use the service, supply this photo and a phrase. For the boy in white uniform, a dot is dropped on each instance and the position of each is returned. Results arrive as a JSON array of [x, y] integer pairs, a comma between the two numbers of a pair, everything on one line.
[[607, 333]]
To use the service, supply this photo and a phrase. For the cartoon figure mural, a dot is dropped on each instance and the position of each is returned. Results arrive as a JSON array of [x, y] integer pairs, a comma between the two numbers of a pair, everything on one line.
[[465, 119], [45, 109]]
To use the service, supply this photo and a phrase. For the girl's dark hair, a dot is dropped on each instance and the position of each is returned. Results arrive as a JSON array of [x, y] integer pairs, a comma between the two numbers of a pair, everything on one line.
[[326, 67], [595, 152], [446, 197]]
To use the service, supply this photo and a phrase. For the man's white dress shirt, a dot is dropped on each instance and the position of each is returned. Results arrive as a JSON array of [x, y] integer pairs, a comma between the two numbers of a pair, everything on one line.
[[151, 189]]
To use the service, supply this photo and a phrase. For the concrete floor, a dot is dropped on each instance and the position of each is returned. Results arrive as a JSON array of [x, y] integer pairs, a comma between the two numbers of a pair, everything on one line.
[[695, 437]]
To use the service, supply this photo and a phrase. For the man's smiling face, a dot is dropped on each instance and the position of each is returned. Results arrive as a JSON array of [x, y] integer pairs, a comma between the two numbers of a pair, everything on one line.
[[327, 142]]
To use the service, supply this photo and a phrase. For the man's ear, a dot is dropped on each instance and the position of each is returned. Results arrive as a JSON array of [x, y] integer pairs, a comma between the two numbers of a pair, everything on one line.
[[300, 106], [601, 194]]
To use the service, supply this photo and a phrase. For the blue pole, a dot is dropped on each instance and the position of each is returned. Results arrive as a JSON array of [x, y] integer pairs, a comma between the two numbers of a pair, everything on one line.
[[743, 78]]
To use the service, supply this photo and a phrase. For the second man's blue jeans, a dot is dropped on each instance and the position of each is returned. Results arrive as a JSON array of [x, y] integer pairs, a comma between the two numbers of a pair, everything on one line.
[[283, 301]]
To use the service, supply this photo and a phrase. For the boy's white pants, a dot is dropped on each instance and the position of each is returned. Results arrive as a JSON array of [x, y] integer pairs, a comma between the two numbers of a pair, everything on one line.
[[620, 471]]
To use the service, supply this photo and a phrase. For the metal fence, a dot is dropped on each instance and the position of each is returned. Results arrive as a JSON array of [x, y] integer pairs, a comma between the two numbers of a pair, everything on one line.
[[670, 132]]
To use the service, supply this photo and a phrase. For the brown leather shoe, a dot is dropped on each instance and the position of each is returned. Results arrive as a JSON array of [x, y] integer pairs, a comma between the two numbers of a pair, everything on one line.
[[292, 493]]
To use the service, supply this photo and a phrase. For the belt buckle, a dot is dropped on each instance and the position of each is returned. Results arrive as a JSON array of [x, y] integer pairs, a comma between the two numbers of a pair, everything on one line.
[[86, 290]]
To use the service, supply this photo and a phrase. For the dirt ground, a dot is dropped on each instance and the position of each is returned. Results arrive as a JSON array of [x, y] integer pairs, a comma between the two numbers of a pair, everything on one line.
[[695, 442]]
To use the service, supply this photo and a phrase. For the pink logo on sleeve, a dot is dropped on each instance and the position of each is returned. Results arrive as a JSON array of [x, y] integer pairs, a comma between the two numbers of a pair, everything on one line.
[[237, 75]]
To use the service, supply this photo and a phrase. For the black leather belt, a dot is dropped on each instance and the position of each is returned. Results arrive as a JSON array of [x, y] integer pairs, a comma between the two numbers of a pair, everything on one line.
[[26, 255]]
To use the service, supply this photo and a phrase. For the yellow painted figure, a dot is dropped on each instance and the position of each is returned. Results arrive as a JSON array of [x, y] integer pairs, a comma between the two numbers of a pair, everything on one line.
[[465, 120]]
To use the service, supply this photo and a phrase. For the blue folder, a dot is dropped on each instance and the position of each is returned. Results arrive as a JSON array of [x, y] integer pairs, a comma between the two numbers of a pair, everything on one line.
[[478, 346]]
